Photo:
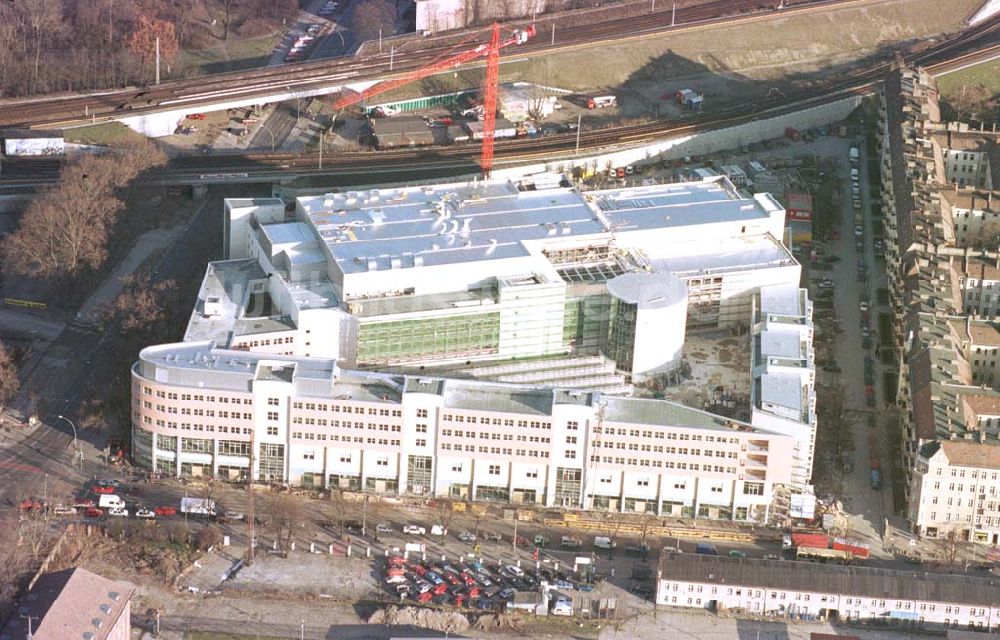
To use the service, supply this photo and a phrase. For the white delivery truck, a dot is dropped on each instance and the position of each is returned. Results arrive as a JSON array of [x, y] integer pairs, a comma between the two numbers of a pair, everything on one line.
[[198, 507], [110, 501]]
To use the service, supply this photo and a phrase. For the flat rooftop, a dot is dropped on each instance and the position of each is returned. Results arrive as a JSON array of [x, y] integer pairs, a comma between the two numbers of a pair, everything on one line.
[[225, 289], [380, 229]]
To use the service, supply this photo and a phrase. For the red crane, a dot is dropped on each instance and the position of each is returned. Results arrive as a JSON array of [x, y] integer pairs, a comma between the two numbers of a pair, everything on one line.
[[492, 53]]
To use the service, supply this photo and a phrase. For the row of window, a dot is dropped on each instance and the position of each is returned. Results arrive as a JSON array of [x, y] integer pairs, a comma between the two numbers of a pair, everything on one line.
[[204, 413], [661, 464], [188, 426], [505, 422], [336, 408], [529, 453], [347, 424], [631, 446], [169, 395]]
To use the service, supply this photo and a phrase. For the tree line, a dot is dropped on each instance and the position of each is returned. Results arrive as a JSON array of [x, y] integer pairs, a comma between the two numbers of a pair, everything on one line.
[[51, 46]]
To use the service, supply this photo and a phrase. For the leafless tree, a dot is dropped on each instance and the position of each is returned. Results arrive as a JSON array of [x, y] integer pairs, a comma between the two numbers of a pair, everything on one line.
[[286, 514], [973, 101], [371, 17], [612, 526], [9, 382], [208, 536], [444, 512], [340, 508]]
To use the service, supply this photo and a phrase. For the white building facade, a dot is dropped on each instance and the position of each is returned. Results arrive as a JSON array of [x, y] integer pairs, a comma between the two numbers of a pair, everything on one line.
[[811, 591], [200, 411]]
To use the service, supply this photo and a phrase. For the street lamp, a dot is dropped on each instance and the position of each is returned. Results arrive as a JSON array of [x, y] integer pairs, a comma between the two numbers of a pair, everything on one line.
[[76, 444]]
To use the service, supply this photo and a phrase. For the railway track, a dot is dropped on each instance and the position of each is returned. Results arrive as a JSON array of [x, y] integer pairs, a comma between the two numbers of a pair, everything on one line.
[[97, 107], [973, 45]]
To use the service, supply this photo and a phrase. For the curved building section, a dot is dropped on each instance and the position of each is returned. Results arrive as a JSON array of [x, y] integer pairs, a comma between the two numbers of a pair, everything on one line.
[[647, 324]]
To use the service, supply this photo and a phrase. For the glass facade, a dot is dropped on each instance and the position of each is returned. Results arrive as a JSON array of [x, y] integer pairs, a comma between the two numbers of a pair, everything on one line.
[[419, 474], [585, 324], [621, 334], [272, 463], [454, 336]]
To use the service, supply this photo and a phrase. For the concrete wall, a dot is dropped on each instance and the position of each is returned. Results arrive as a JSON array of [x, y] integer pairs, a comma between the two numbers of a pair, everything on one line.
[[697, 144]]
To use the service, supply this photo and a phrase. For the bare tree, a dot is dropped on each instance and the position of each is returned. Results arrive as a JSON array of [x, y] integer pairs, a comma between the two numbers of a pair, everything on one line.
[[340, 508], [444, 512], [973, 101], [286, 515], [65, 230], [613, 522], [372, 17], [207, 537], [9, 382]]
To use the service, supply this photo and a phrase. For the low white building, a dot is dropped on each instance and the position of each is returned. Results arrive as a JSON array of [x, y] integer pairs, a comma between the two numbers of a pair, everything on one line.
[[812, 591]]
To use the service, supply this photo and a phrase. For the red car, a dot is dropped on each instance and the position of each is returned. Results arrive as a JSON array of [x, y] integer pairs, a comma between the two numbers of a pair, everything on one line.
[[424, 597], [93, 512], [417, 569], [473, 592], [469, 580], [103, 490], [397, 561], [196, 116], [440, 589], [165, 511]]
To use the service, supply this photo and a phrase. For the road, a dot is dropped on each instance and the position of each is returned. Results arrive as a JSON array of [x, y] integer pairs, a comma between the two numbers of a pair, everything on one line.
[[22, 323], [79, 356]]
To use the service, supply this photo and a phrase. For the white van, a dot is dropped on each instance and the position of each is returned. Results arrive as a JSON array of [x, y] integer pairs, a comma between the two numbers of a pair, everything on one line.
[[438, 530], [110, 501], [604, 542]]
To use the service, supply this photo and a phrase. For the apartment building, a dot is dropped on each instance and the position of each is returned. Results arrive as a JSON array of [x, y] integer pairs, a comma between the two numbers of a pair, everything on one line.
[[812, 591], [970, 156], [198, 410], [945, 292]]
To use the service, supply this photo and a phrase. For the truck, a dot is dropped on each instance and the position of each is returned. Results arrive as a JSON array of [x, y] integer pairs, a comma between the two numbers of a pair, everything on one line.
[[110, 501], [569, 542], [198, 507], [604, 542], [600, 102], [688, 98], [803, 539], [857, 549], [876, 479]]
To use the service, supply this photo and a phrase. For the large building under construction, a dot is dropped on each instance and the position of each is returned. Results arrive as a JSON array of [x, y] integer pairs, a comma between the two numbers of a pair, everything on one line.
[[275, 376]]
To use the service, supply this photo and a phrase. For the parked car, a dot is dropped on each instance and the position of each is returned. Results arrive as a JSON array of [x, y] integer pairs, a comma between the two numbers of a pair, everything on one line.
[[165, 511], [466, 536], [62, 510], [415, 530], [514, 570], [119, 512], [491, 536], [737, 553], [93, 512], [383, 528], [858, 231]]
